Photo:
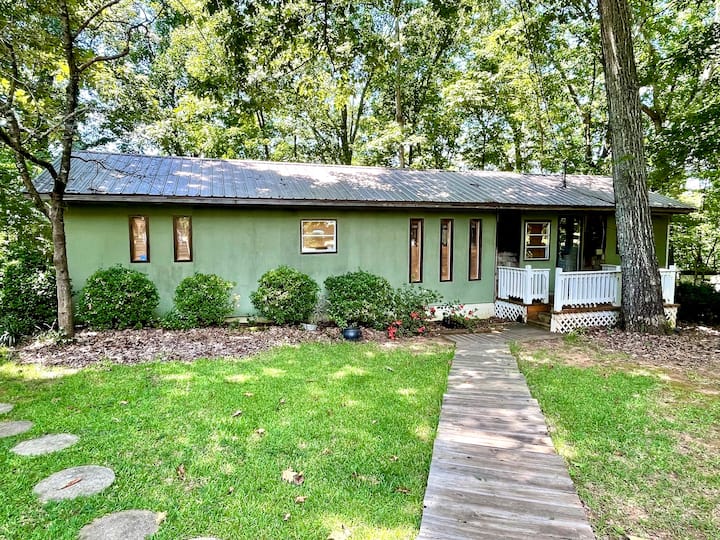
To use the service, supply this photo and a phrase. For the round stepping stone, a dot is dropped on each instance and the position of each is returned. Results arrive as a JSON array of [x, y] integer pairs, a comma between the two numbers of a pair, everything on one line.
[[45, 444], [74, 482], [125, 525], [6, 407], [9, 429]]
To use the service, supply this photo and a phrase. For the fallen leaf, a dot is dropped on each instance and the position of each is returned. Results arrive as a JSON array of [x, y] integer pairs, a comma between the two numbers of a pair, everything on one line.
[[237, 413], [300, 499], [374, 422], [72, 482], [282, 401], [123, 402], [260, 431], [389, 368], [326, 452], [403, 490], [160, 517], [293, 477], [181, 472], [248, 394], [394, 458], [341, 534], [286, 517], [231, 490]]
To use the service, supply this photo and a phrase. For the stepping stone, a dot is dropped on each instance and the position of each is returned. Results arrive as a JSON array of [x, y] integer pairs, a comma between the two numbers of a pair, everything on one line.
[[10, 429], [6, 407], [45, 444], [125, 525], [74, 482]]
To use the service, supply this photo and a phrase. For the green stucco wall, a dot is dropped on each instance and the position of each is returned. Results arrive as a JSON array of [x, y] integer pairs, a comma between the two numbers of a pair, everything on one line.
[[660, 230], [241, 244]]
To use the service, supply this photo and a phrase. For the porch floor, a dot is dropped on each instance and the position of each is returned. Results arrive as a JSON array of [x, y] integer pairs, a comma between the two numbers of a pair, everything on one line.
[[494, 470]]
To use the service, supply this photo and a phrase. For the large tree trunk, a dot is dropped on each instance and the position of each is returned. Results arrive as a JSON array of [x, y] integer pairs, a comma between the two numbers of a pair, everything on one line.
[[642, 304], [66, 321]]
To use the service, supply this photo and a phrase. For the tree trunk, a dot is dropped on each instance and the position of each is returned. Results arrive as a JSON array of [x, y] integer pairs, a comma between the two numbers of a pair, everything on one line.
[[66, 320], [642, 305]]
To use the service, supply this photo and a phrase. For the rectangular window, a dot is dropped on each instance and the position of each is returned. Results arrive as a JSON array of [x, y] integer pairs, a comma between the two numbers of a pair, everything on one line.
[[139, 239], [416, 250], [182, 238], [318, 236], [446, 249], [537, 240], [475, 249]]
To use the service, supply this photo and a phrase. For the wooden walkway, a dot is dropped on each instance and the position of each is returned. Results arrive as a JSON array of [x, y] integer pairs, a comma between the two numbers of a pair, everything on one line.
[[494, 471]]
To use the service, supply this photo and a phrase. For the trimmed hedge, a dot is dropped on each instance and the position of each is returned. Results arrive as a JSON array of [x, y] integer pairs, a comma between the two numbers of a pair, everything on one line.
[[359, 298], [201, 300], [285, 296]]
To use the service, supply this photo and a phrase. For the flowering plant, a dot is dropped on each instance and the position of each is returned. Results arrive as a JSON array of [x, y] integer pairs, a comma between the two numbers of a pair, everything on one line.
[[458, 316], [410, 311]]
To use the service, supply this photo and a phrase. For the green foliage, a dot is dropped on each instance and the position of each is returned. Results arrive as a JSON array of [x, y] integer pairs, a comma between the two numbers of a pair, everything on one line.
[[118, 297], [201, 300], [456, 315], [410, 306], [699, 303], [359, 298], [285, 295], [27, 290]]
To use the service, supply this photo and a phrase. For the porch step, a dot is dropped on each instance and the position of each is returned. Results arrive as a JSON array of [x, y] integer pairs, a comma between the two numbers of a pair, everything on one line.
[[537, 323], [544, 317], [534, 311]]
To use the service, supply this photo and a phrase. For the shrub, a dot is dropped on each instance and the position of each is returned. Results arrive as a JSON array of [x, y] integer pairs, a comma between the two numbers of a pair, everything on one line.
[[698, 303], [410, 310], [458, 316], [285, 296], [118, 297], [202, 300], [27, 292], [359, 298]]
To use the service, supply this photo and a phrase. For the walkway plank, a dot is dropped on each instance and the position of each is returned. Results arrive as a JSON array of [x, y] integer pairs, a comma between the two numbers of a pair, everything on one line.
[[494, 471]]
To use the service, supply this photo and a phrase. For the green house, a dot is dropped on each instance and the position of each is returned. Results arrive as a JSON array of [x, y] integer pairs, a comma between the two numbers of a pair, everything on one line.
[[487, 239]]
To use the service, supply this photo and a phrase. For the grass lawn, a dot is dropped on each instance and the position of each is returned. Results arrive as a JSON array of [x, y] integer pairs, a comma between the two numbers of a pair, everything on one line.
[[357, 420], [642, 443]]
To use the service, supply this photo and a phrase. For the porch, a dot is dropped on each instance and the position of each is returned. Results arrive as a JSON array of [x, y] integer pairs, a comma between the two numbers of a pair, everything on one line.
[[572, 299]]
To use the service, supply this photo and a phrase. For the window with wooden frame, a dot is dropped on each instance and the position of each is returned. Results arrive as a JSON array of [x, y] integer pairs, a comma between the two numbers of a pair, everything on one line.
[[318, 236], [416, 250], [182, 238], [446, 249], [139, 239], [475, 249], [537, 240]]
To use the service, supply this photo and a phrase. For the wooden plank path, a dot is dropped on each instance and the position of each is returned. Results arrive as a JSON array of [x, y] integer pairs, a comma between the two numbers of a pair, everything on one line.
[[494, 471]]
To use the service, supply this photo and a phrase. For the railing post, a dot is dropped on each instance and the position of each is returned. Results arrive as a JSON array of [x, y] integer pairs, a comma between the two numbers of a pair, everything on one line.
[[527, 285], [618, 288], [671, 284], [546, 286], [557, 305]]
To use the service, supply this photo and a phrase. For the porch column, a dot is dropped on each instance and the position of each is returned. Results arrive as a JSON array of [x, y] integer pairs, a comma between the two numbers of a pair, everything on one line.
[[559, 290]]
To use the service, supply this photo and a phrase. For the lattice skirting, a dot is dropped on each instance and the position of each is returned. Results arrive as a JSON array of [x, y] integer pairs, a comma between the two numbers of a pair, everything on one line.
[[671, 315], [510, 311], [567, 322]]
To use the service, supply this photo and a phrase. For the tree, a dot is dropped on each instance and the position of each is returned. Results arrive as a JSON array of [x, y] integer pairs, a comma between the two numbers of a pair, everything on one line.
[[50, 52], [642, 304]]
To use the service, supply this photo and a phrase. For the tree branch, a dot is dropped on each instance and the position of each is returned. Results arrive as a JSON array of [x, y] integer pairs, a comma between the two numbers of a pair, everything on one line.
[[99, 11]]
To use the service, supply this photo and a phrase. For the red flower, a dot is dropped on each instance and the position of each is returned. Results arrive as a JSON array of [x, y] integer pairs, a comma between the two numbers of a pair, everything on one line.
[[414, 315], [421, 330], [432, 311], [398, 323]]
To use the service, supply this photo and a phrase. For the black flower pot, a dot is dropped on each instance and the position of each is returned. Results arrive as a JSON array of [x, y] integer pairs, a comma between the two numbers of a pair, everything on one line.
[[352, 334]]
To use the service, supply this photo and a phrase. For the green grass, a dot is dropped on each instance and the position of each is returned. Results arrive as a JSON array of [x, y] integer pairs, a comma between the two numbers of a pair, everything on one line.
[[642, 451], [358, 420]]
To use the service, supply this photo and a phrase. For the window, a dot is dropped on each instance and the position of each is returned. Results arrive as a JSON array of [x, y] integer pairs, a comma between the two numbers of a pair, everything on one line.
[[318, 236], [139, 239], [475, 249], [182, 238], [537, 240], [416, 250], [446, 247]]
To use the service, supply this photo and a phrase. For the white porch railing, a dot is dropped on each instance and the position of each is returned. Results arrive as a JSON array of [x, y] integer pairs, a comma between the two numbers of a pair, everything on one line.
[[526, 284], [586, 289], [594, 288]]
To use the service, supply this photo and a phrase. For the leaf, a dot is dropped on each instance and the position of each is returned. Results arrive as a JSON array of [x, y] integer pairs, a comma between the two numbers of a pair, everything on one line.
[[237, 413], [326, 452], [282, 401], [181, 471], [389, 368], [231, 490], [300, 499], [403, 490], [286, 517], [123, 402], [394, 458], [340, 534], [73, 482], [292, 477], [260, 432], [248, 394], [160, 517]]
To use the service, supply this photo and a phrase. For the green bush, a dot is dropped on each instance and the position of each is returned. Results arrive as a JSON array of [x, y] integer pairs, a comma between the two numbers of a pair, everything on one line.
[[359, 298], [201, 300], [698, 303], [410, 310], [285, 296], [118, 297], [27, 292]]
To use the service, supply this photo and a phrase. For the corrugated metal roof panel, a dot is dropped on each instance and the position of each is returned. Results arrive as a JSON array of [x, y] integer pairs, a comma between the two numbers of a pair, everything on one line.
[[214, 180]]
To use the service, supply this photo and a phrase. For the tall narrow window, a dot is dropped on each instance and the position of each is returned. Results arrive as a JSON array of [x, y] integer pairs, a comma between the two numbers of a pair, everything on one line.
[[416, 250], [475, 249], [182, 238], [139, 239], [446, 249]]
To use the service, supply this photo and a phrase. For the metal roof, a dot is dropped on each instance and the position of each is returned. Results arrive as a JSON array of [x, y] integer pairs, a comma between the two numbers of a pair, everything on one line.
[[106, 177]]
